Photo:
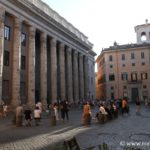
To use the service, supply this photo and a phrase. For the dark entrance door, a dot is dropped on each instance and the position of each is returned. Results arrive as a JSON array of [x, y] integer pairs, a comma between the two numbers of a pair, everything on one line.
[[135, 94]]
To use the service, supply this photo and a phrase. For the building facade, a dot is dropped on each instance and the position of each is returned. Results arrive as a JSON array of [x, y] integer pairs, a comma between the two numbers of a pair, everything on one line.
[[42, 56], [123, 70]]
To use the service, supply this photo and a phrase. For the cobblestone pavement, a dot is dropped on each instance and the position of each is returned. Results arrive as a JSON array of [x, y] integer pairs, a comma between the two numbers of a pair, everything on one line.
[[125, 131]]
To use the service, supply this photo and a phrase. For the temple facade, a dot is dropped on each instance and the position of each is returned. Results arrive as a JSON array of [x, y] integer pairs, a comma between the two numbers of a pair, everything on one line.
[[43, 57]]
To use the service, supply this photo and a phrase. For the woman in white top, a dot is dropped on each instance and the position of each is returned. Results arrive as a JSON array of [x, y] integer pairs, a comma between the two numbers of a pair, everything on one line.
[[37, 115], [102, 110]]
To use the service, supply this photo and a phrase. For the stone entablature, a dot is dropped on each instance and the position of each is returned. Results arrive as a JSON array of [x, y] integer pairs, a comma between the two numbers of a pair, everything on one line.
[[53, 14]]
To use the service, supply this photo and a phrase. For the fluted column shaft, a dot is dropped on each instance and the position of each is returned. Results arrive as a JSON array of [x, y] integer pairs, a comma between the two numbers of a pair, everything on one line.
[[2, 16], [43, 70], [31, 67], [69, 75], [62, 71], [53, 70], [16, 58], [75, 77], [81, 77], [86, 89]]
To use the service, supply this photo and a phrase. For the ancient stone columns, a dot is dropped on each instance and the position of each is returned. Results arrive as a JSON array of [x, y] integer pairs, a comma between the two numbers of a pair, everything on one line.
[[53, 72], [43, 70], [75, 76], [16, 63], [81, 77], [69, 75], [62, 71], [2, 13], [31, 67]]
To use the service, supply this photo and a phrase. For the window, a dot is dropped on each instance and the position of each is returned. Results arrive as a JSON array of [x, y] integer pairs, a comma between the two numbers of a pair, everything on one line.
[[124, 87], [112, 95], [6, 58], [7, 33], [125, 94], [23, 62], [111, 87], [110, 58], [5, 89], [91, 81], [111, 66], [104, 78], [142, 55], [133, 64], [124, 76], [134, 77], [99, 81], [123, 56], [23, 39], [132, 56], [144, 86], [143, 76], [111, 77], [123, 65], [143, 64]]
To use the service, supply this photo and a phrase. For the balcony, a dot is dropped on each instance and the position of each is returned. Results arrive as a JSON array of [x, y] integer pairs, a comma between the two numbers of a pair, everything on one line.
[[134, 81]]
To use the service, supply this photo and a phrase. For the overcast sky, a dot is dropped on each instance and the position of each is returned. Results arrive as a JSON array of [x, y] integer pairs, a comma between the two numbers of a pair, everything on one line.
[[104, 21]]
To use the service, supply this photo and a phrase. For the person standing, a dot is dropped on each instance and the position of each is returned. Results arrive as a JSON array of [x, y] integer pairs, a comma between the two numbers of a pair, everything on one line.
[[55, 107], [65, 110], [86, 116], [19, 115], [37, 115], [124, 106], [138, 107], [28, 117]]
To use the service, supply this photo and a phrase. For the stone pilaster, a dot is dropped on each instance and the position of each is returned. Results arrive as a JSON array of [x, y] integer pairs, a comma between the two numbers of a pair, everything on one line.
[[2, 17], [81, 77], [62, 71], [69, 75], [43, 70], [86, 89], [75, 77], [53, 73], [16, 58], [31, 67]]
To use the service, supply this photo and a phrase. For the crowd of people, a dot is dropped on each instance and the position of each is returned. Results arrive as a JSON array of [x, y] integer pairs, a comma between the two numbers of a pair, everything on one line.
[[27, 114], [24, 115], [107, 110]]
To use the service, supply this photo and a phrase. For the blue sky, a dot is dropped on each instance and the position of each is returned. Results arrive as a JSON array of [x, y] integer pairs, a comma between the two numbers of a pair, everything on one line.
[[104, 21]]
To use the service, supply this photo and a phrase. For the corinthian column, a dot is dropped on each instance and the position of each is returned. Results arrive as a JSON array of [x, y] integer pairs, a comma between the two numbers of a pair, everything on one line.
[[53, 73], [16, 57], [43, 70], [81, 77], [31, 67], [69, 75], [62, 71], [2, 16], [75, 77]]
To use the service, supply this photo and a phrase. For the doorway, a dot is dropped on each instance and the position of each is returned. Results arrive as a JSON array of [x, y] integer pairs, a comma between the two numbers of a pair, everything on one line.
[[134, 94]]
